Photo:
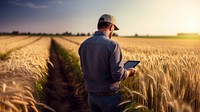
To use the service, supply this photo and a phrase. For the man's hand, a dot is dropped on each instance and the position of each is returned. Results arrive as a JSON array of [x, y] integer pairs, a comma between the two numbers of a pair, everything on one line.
[[131, 72]]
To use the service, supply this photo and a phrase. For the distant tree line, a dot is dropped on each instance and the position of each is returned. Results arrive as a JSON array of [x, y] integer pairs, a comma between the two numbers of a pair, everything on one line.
[[42, 34], [48, 34], [186, 34], [83, 34], [36, 34]]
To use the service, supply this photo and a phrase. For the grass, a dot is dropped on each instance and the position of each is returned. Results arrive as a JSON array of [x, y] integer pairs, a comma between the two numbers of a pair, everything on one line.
[[72, 60], [75, 73]]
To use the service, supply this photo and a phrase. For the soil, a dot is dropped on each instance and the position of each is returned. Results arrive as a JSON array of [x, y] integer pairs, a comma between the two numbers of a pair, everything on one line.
[[60, 90]]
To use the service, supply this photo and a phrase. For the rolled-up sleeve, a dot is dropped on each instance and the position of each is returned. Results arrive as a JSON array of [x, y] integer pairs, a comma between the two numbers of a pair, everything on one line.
[[116, 64]]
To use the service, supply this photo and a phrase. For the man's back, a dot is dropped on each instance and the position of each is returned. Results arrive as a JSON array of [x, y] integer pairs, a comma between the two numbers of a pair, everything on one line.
[[102, 70]]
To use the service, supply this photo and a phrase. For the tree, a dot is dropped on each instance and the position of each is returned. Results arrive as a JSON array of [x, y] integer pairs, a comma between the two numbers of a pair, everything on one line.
[[88, 34], [83, 34], [67, 33], [115, 34], [15, 32], [57, 34]]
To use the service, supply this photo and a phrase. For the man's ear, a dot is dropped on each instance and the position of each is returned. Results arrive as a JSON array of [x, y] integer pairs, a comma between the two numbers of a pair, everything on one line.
[[110, 27]]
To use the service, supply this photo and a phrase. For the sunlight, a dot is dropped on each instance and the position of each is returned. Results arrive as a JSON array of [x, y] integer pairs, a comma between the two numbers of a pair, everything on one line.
[[191, 18], [192, 25]]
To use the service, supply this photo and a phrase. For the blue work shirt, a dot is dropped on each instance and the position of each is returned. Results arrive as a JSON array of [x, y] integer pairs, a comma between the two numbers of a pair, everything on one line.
[[101, 62]]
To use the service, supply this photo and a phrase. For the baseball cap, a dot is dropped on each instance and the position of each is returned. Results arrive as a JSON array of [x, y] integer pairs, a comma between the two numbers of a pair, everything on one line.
[[108, 18]]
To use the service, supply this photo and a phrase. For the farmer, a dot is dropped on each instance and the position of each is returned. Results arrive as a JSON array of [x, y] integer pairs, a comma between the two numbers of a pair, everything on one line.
[[103, 69]]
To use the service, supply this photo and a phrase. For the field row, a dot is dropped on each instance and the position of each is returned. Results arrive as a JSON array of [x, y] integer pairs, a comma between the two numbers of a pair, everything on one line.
[[22, 75]]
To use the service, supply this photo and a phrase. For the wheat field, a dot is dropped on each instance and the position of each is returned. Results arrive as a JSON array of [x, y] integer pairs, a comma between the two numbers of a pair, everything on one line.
[[168, 75], [20, 73], [8, 45], [167, 79]]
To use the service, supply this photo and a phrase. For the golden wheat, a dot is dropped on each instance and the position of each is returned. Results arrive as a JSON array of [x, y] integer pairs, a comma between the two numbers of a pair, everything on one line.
[[4, 48], [168, 73], [68, 45], [19, 75], [12, 39]]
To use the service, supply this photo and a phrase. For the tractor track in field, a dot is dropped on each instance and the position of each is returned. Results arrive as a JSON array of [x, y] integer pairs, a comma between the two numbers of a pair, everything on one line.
[[27, 37], [60, 90], [20, 39], [28, 44], [5, 55]]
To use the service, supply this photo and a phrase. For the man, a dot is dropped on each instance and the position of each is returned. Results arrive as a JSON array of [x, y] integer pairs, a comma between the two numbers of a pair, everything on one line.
[[103, 69]]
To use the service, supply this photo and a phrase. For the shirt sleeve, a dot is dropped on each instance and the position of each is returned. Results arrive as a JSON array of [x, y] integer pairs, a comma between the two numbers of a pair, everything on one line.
[[116, 64]]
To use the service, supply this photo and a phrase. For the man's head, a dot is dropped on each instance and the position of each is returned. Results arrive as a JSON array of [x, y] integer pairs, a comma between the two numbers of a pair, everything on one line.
[[107, 24]]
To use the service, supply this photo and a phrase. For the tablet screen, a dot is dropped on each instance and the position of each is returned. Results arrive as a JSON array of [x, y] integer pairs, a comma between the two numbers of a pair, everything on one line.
[[131, 64]]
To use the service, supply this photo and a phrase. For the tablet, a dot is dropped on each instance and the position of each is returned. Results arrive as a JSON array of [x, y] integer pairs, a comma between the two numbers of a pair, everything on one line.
[[131, 64]]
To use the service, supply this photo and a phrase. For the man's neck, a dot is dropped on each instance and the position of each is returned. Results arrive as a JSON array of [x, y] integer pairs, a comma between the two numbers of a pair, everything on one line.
[[104, 31]]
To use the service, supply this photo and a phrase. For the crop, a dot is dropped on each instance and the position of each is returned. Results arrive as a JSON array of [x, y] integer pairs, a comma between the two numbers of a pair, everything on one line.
[[8, 46], [68, 45], [21, 75], [168, 77]]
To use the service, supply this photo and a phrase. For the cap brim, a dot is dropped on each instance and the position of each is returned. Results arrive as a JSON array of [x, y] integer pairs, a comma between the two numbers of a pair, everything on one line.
[[116, 28]]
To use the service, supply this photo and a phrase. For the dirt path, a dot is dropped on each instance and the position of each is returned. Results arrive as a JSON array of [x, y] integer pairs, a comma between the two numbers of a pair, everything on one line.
[[59, 89]]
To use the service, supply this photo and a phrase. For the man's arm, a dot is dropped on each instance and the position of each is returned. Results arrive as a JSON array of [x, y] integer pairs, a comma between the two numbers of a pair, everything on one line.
[[117, 66]]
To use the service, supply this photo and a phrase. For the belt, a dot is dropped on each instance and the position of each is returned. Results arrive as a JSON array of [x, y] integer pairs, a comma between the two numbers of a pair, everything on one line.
[[104, 93]]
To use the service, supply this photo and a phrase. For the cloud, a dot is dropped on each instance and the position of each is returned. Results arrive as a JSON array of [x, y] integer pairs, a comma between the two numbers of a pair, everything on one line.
[[57, 1], [27, 4]]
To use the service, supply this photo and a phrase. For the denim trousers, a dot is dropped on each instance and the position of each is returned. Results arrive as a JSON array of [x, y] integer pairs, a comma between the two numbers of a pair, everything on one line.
[[104, 103]]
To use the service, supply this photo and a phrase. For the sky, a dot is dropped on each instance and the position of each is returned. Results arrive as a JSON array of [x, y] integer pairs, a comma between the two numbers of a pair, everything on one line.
[[144, 17]]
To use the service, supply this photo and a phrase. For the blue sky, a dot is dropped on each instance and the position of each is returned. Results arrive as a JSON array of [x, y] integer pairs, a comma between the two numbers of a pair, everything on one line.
[[153, 17]]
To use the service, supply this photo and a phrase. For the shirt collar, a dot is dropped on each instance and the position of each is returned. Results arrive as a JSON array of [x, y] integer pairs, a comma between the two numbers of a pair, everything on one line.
[[99, 33]]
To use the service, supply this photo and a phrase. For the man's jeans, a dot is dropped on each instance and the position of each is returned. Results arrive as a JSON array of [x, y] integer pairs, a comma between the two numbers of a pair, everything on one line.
[[104, 103]]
